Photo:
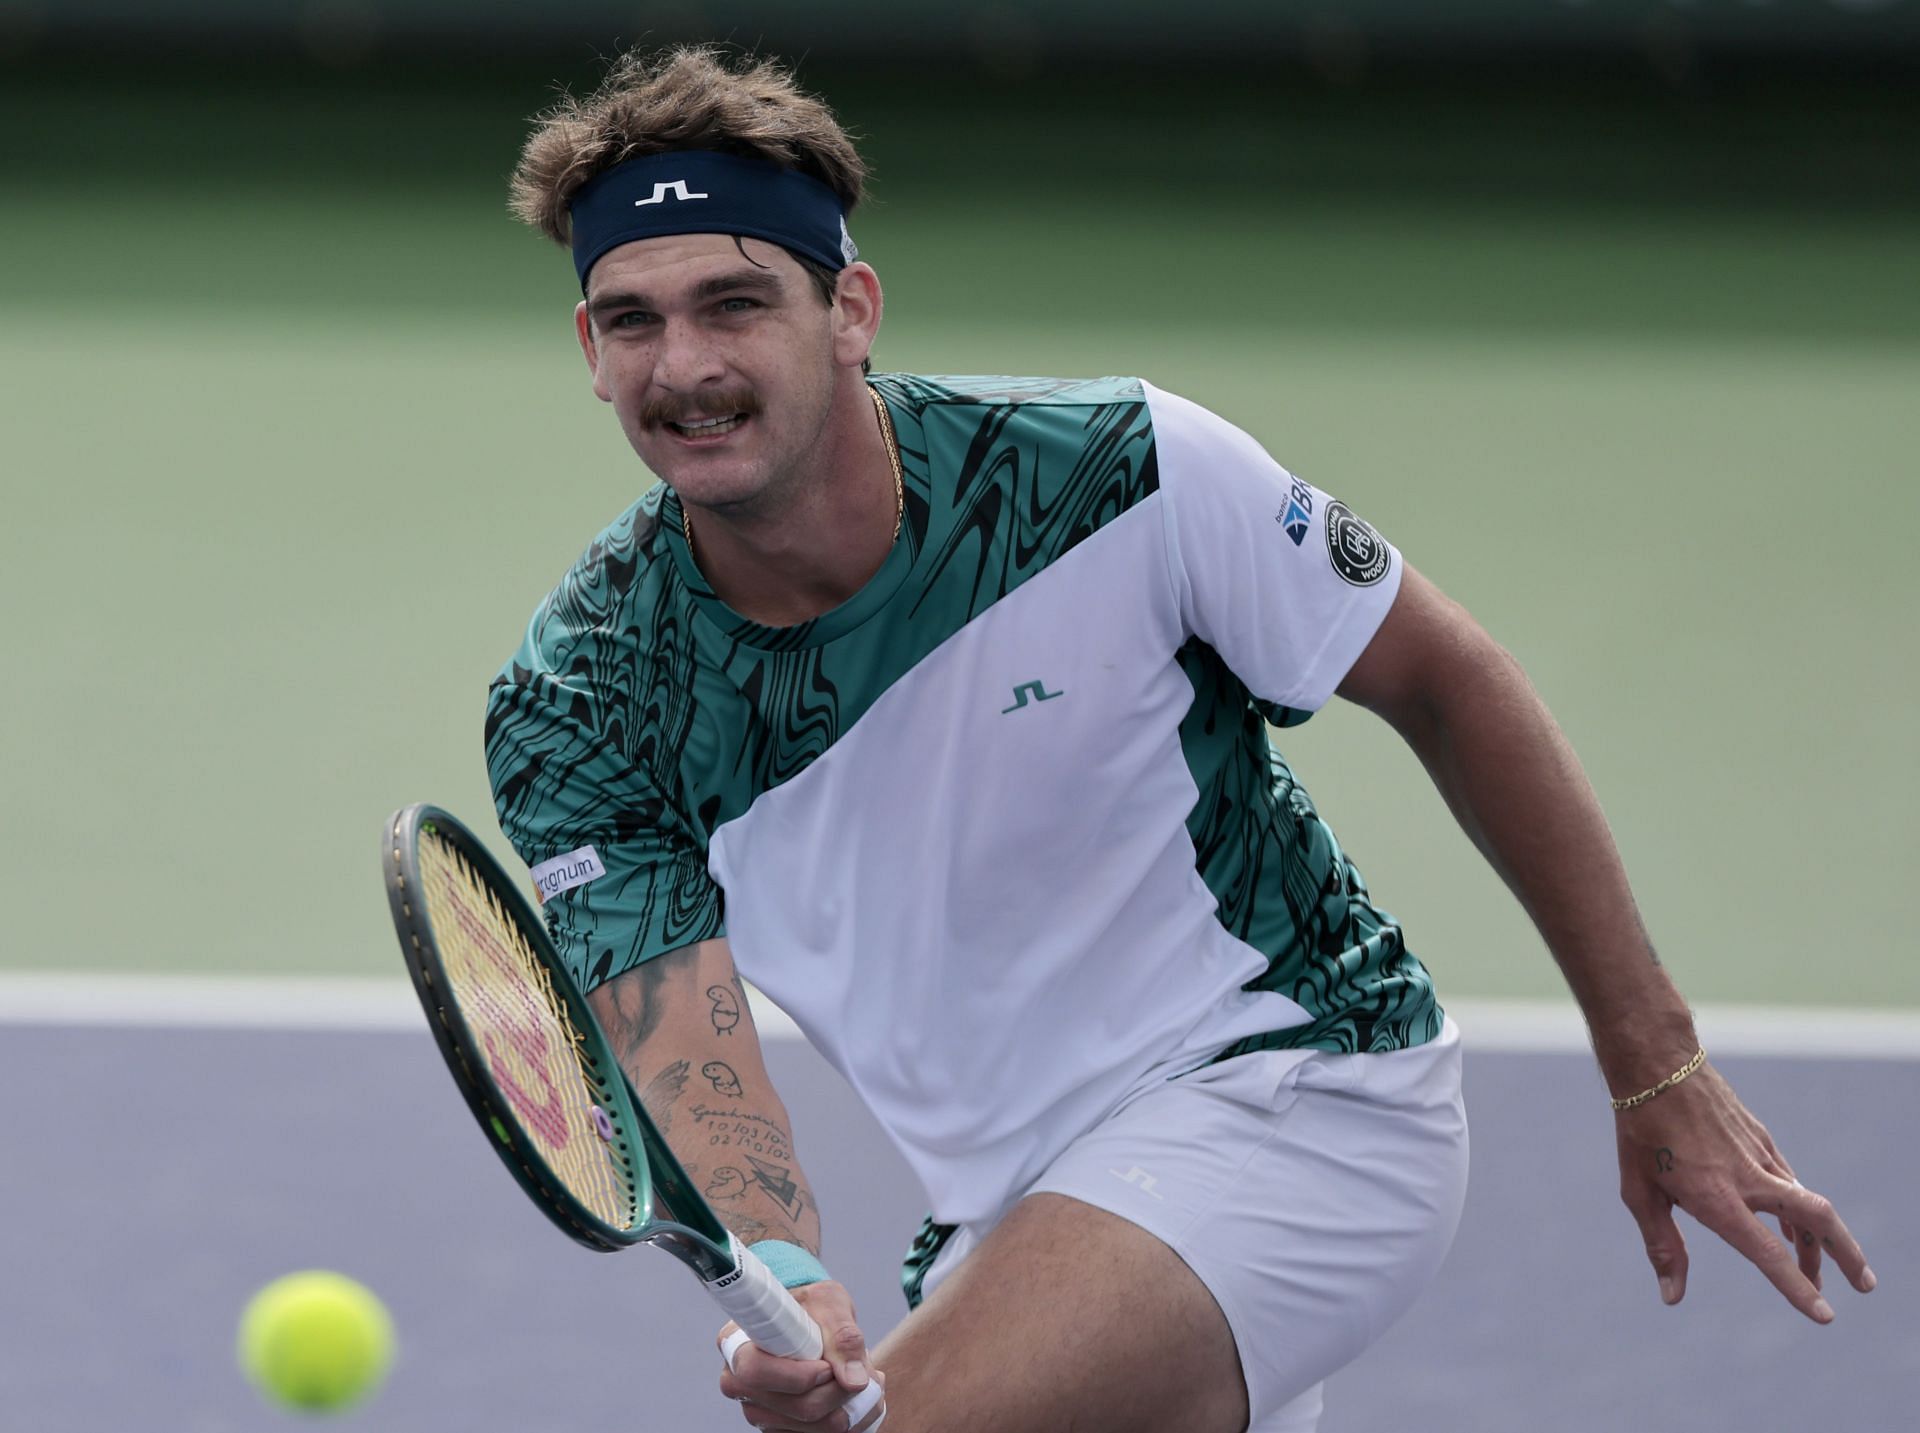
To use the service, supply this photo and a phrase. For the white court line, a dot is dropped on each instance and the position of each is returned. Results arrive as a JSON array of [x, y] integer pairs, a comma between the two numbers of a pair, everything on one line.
[[256, 1002], [241, 1002]]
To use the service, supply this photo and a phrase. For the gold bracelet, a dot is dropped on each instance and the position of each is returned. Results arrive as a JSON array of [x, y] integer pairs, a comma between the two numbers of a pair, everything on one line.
[[1699, 1059]]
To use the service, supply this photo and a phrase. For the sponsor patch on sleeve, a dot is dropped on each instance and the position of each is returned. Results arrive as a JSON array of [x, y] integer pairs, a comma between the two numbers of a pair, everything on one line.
[[563, 873], [1297, 515], [1359, 554]]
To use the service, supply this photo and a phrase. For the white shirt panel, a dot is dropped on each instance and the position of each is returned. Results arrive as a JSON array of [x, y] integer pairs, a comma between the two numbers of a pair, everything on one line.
[[1277, 609], [984, 910]]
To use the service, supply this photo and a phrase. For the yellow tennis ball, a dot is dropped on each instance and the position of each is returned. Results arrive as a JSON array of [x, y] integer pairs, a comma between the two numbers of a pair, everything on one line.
[[316, 1341]]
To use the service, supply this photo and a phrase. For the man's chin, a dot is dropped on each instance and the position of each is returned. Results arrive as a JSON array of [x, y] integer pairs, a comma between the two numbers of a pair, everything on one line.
[[708, 480]]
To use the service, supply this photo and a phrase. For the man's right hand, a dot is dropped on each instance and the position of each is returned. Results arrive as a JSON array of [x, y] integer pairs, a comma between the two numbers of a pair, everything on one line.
[[794, 1395]]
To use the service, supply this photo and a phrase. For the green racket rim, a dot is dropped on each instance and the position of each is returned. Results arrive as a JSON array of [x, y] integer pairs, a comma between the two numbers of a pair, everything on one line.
[[463, 1050]]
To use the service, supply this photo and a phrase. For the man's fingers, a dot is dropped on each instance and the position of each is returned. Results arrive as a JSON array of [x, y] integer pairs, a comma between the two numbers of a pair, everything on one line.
[[1666, 1247], [1814, 1216], [821, 1395], [1741, 1228], [846, 1350], [753, 1372], [1806, 1248], [871, 1418]]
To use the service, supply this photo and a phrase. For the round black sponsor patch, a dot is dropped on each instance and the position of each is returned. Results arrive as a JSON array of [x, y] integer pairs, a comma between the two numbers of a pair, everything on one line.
[[1360, 555]]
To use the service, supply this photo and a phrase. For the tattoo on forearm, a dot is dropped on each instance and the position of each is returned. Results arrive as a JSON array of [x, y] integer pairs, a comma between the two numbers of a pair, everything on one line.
[[663, 1090], [727, 1183], [721, 1076], [1663, 1160], [726, 1009], [776, 1181], [735, 1128], [762, 1143]]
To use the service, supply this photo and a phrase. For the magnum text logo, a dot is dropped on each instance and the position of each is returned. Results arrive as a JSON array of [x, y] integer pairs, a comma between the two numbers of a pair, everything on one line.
[[563, 873]]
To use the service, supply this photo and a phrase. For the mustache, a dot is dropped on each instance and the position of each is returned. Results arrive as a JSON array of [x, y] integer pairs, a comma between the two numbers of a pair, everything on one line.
[[687, 409]]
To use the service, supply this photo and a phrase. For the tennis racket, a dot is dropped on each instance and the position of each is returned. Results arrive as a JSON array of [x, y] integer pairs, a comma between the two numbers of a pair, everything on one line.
[[538, 1074]]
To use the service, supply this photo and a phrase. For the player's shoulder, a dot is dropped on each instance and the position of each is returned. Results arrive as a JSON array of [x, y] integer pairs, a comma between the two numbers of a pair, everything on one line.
[[921, 392], [1045, 430], [994, 401], [591, 612]]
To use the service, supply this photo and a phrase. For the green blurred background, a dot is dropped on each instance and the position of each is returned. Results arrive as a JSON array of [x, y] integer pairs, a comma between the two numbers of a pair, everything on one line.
[[1610, 320]]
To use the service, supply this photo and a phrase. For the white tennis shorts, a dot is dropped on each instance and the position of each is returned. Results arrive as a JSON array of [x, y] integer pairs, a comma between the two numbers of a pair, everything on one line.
[[1314, 1194]]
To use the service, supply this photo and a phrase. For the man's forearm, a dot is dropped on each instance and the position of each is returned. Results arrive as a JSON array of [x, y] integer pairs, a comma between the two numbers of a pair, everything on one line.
[[699, 1073], [1512, 780]]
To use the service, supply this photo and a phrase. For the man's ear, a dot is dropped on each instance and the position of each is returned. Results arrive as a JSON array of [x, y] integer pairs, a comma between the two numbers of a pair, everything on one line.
[[583, 330], [857, 302]]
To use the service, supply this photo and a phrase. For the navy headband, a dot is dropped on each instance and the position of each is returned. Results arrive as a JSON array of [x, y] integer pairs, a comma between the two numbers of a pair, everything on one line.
[[700, 192]]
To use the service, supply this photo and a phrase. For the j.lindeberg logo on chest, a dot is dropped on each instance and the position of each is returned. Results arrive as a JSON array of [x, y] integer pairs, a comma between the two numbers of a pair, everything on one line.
[[1040, 694]]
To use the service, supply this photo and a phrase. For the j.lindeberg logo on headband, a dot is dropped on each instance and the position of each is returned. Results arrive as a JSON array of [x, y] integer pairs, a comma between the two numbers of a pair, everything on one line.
[[699, 192], [676, 187]]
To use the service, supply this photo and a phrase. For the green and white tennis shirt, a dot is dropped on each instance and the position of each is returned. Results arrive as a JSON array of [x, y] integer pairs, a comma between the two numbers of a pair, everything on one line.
[[1003, 832]]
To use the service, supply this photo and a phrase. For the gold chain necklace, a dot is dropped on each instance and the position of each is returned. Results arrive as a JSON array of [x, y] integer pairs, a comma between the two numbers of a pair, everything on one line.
[[893, 459]]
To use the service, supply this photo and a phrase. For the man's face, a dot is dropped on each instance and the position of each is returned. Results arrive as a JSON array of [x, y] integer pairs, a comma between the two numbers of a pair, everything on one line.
[[720, 367]]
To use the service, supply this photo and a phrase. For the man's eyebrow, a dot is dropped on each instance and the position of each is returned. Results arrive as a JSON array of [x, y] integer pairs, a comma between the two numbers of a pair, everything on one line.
[[749, 280], [756, 280]]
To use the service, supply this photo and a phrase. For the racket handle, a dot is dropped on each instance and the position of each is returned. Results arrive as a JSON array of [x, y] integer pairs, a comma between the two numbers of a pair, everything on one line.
[[768, 1315], [857, 1407]]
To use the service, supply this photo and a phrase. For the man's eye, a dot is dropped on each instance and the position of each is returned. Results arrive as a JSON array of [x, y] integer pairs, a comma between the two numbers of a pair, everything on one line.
[[737, 305], [633, 318]]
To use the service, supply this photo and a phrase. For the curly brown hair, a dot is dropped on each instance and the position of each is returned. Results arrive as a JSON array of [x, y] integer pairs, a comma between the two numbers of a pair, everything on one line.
[[688, 97]]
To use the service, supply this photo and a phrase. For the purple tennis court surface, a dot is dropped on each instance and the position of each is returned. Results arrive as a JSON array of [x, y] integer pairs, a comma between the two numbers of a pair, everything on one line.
[[156, 1177]]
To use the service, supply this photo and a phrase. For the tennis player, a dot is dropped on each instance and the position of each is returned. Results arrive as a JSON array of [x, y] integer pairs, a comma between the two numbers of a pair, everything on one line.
[[938, 708]]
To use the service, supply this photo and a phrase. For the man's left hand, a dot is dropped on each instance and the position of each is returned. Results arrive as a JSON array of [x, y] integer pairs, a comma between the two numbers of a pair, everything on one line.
[[1696, 1146]]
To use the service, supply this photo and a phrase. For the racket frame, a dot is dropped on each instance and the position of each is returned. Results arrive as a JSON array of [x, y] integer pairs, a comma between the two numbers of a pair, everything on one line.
[[667, 1211]]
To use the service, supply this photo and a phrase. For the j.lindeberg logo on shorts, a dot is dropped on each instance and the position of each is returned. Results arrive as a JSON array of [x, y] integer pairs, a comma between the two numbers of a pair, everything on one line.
[[563, 873], [1359, 554], [676, 187]]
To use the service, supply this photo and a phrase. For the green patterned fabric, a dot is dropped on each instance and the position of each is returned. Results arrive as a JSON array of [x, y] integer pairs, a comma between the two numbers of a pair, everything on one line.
[[1285, 886]]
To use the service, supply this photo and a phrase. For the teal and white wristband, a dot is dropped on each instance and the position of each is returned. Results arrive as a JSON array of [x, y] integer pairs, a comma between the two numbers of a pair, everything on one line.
[[789, 1263]]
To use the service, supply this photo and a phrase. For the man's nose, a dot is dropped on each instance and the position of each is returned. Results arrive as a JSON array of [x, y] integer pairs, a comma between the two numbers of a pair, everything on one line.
[[686, 358]]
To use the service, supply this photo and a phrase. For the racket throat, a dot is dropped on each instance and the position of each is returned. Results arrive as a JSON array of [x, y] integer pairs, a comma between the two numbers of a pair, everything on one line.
[[708, 1261]]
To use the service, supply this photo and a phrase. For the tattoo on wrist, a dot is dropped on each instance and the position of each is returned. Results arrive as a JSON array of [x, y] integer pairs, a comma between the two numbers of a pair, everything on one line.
[[1663, 1160]]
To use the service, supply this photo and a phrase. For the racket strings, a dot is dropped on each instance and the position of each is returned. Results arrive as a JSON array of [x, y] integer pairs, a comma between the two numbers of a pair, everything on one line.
[[535, 1053]]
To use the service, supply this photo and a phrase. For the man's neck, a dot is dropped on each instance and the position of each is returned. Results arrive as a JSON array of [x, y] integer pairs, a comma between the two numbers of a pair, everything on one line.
[[814, 550]]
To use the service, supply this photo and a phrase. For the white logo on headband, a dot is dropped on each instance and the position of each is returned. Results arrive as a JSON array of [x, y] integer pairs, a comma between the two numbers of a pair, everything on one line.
[[848, 250], [676, 187]]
